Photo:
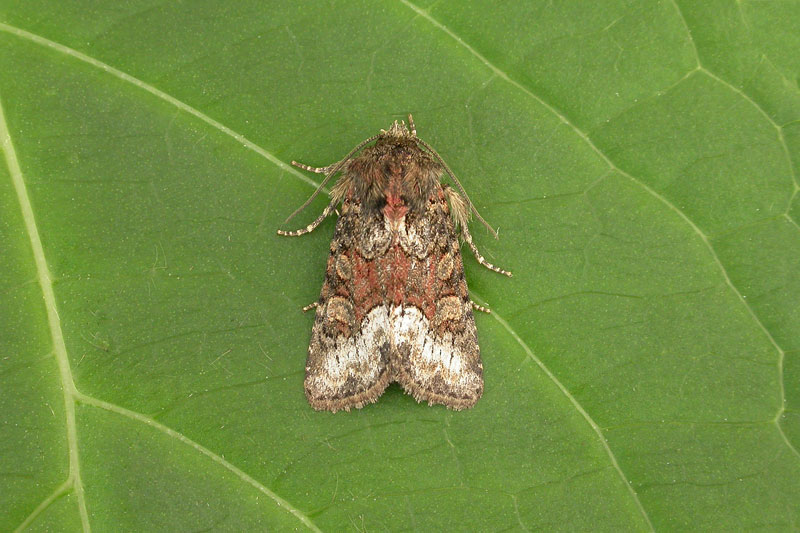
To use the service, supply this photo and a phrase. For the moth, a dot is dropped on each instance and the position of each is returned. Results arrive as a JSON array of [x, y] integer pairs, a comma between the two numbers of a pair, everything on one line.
[[394, 306]]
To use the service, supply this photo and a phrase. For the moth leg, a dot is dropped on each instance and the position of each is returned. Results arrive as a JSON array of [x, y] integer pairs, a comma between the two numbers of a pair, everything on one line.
[[316, 170], [311, 227], [480, 307], [311, 306], [477, 254]]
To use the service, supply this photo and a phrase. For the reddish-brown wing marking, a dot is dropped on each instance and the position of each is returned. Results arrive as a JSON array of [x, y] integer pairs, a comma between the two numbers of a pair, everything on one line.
[[435, 354], [394, 306], [348, 357]]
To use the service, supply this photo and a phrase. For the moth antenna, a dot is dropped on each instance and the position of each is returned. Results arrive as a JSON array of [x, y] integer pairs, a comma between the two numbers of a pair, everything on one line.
[[458, 183], [334, 169]]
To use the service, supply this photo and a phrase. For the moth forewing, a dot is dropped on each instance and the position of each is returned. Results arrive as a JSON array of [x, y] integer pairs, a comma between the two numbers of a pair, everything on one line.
[[394, 305]]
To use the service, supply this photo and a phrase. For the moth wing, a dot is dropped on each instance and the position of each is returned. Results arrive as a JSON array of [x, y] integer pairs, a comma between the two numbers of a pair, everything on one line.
[[436, 357], [346, 372], [348, 356]]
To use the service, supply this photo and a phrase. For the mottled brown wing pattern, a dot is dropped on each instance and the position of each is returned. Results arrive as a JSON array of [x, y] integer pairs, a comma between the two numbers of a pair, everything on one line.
[[394, 305], [435, 354], [348, 356]]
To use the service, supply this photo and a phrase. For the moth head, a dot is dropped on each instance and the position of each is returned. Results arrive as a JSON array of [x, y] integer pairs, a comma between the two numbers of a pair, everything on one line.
[[399, 130]]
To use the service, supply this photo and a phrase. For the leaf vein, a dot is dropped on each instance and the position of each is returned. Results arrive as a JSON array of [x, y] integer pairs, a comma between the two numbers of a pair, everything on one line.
[[59, 491], [53, 320], [148, 421], [71, 394], [738, 91], [582, 412], [38, 39], [703, 237]]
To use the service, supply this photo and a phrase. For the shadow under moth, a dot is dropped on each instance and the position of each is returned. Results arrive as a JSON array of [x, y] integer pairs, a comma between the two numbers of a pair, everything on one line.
[[394, 305]]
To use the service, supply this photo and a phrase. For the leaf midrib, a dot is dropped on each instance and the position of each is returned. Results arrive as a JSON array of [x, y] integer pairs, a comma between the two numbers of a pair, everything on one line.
[[53, 320], [160, 94], [71, 393]]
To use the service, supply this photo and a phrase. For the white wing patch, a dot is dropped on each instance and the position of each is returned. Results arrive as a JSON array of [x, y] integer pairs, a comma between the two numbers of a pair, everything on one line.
[[350, 364], [432, 366]]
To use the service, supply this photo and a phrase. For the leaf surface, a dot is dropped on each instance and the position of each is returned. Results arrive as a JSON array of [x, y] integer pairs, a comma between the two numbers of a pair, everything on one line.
[[640, 158]]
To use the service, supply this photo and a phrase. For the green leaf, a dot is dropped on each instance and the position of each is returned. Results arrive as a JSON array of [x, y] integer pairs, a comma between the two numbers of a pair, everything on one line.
[[641, 159]]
